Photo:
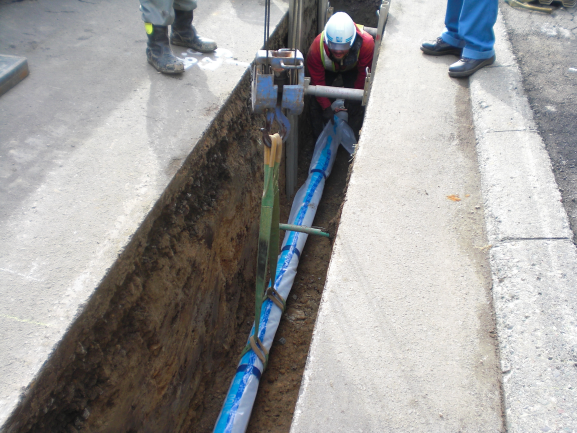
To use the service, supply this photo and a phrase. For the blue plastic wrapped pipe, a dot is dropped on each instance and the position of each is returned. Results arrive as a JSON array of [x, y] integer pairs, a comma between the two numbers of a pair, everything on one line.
[[235, 413]]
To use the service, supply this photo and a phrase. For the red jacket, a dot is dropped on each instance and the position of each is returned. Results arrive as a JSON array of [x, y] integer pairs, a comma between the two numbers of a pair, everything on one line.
[[316, 66]]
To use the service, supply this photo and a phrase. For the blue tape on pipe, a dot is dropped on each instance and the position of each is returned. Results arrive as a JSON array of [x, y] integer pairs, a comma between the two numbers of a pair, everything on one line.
[[250, 369], [316, 170], [290, 248]]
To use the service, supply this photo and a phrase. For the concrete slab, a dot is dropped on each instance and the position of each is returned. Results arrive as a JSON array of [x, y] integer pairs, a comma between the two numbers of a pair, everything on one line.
[[88, 144], [13, 69], [521, 196], [404, 339], [533, 259], [536, 307]]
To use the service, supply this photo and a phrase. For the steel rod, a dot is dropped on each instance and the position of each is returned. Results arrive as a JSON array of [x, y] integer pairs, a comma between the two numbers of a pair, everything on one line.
[[303, 229], [335, 92], [291, 148]]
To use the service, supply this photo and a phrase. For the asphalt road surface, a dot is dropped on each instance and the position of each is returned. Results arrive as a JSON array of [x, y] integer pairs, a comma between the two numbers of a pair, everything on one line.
[[546, 49]]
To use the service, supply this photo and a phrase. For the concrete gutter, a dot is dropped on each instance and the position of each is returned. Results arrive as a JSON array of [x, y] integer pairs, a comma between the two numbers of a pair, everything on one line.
[[400, 340], [533, 257]]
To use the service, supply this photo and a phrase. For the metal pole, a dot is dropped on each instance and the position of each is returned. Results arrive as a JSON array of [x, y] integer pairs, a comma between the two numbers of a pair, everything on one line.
[[291, 163], [303, 229], [322, 15], [292, 155], [383, 15], [335, 92]]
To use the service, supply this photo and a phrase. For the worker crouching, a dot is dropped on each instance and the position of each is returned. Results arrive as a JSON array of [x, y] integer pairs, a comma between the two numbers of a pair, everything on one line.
[[343, 49]]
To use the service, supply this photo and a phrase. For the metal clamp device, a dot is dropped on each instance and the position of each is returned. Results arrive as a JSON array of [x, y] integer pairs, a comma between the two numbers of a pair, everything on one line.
[[278, 74]]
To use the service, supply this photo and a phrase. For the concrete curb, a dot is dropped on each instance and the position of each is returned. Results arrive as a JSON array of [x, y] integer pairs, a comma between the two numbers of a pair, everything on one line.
[[13, 69], [533, 259]]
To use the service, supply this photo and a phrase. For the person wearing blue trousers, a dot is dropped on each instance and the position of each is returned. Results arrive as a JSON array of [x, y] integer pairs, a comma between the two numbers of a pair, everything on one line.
[[157, 16], [468, 34]]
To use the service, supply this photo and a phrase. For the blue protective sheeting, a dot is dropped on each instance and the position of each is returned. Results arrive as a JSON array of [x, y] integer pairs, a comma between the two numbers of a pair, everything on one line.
[[235, 413]]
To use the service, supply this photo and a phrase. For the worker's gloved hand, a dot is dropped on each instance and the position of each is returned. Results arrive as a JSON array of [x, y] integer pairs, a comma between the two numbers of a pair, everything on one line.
[[328, 113]]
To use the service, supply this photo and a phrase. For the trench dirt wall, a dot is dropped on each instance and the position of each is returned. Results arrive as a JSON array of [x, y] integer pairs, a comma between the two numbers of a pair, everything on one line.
[[361, 11], [171, 313]]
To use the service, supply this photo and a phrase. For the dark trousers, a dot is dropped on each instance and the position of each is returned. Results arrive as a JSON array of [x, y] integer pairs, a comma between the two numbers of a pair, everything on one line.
[[354, 108]]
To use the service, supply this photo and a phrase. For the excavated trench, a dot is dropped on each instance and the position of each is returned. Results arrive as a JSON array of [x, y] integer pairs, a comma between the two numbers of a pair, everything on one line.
[[157, 346]]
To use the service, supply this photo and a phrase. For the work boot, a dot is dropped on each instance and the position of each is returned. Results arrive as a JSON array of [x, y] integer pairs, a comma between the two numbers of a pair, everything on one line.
[[158, 51], [184, 34], [466, 67], [440, 48]]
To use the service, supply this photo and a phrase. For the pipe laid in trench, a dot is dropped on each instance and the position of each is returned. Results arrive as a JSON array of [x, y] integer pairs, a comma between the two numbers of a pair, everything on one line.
[[335, 92], [235, 413]]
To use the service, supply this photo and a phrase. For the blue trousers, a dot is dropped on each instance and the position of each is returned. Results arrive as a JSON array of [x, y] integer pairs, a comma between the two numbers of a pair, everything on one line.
[[469, 25]]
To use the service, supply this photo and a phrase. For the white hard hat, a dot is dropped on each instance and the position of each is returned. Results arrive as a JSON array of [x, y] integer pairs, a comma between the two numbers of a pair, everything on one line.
[[340, 32]]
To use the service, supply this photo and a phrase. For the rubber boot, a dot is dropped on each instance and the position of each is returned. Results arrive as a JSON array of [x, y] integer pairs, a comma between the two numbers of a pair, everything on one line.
[[158, 51], [184, 33]]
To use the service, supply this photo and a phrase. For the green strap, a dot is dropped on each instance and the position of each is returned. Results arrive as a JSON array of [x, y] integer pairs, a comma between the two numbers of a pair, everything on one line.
[[276, 298], [274, 229], [268, 239]]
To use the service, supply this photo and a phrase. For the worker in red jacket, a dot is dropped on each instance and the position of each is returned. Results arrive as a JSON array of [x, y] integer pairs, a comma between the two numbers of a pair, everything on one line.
[[345, 49]]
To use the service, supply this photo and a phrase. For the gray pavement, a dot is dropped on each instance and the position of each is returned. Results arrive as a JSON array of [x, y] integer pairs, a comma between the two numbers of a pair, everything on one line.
[[402, 337], [545, 47], [533, 257], [88, 143]]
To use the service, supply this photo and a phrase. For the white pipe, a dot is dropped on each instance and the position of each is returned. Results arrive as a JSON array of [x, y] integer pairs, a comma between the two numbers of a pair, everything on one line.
[[235, 413], [335, 92]]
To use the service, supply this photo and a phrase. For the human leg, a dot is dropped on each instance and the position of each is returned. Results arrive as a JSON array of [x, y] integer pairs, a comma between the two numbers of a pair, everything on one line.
[[158, 52], [316, 117], [157, 15], [356, 113], [157, 12], [466, 67], [355, 109], [476, 28], [316, 113], [451, 35], [349, 78], [449, 42], [184, 33]]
